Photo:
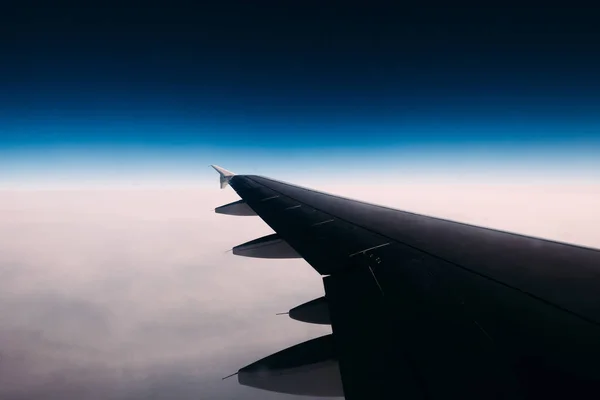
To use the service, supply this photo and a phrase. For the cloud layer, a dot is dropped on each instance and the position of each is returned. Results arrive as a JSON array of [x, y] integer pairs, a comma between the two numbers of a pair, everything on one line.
[[130, 293]]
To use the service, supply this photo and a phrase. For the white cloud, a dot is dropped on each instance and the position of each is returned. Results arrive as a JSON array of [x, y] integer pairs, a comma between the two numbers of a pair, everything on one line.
[[97, 282], [130, 292]]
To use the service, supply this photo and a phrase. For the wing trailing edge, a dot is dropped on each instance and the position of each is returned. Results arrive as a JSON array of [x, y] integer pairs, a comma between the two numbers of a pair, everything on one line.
[[237, 208], [270, 246], [313, 312], [307, 369]]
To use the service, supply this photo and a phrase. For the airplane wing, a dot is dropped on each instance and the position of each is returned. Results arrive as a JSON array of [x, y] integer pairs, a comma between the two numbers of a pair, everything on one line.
[[422, 307]]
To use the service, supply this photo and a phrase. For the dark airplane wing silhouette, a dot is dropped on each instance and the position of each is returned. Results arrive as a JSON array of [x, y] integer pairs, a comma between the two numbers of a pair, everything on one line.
[[422, 307]]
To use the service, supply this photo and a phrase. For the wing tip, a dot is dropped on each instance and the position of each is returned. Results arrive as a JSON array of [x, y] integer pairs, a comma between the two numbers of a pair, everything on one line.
[[222, 171], [224, 175]]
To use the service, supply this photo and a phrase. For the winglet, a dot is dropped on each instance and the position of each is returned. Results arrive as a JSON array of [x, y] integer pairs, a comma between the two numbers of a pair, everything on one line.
[[225, 176]]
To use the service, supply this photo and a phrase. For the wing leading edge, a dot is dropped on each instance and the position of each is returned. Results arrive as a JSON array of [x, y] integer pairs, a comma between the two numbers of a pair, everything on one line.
[[425, 307]]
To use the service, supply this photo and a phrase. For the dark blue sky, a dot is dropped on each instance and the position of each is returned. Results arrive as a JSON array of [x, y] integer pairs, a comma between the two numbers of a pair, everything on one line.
[[268, 77]]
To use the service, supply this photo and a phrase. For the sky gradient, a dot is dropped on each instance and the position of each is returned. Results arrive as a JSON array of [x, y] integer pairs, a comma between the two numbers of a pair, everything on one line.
[[92, 93]]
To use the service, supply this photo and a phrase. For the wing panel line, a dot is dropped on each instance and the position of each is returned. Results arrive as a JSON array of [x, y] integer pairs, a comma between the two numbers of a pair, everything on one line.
[[558, 307]]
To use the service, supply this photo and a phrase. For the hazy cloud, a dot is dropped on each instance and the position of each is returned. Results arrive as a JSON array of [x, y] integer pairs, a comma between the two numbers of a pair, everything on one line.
[[130, 294]]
